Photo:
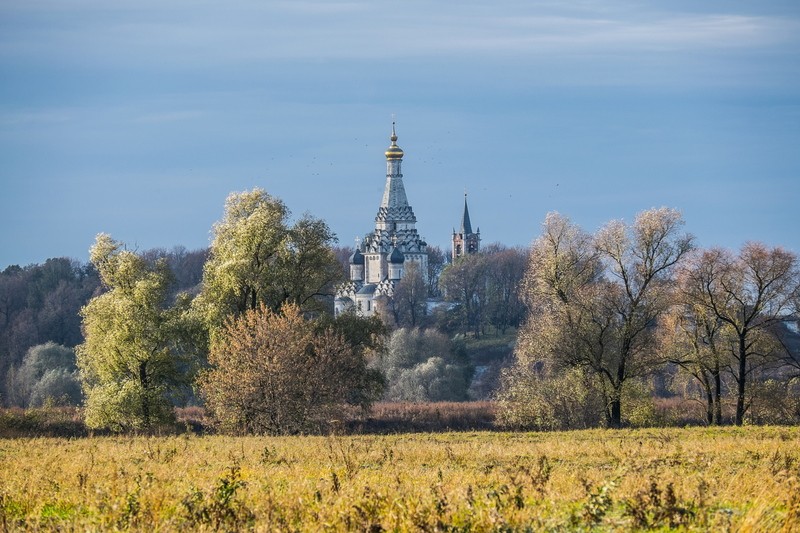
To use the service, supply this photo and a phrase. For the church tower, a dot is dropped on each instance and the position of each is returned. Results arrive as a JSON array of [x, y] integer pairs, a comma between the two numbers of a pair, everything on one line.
[[383, 255], [464, 241]]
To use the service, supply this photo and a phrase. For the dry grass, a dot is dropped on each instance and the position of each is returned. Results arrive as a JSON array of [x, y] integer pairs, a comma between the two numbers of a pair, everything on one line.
[[395, 417], [691, 479]]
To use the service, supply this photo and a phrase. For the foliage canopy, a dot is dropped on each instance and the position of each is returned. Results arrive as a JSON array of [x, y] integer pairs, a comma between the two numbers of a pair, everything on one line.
[[139, 350], [257, 258]]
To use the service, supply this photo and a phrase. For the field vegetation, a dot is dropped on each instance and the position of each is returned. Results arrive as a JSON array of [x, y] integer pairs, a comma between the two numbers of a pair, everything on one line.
[[696, 479]]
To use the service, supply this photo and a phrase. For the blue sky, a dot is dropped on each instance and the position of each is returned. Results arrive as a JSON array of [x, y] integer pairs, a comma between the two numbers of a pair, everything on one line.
[[138, 118]]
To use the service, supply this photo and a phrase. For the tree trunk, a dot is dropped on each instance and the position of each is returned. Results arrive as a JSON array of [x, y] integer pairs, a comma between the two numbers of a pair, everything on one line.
[[616, 412], [717, 395], [741, 380], [145, 400], [709, 407]]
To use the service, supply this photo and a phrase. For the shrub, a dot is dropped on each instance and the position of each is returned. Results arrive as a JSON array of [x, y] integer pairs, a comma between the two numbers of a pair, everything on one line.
[[531, 399], [276, 373], [58, 386], [425, 366]]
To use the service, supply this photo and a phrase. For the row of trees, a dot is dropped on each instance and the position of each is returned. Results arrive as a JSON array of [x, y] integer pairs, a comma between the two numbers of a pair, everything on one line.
[[255, 341], [151, 326], [608, 311], [607, 317], [40, 305]]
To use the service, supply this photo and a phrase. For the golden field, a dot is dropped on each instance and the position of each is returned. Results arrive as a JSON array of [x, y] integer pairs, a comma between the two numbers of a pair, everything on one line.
[[697, 479]]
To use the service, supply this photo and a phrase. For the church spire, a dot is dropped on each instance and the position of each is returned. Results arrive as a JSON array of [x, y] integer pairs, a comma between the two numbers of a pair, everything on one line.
[[466, 225], [394, 195], [465, 241]]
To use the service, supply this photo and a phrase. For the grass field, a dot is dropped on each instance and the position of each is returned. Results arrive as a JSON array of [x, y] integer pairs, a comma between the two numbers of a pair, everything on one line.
[[743, 479]]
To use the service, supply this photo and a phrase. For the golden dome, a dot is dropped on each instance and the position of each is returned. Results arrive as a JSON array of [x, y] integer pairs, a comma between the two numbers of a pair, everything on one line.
[[394, 151]]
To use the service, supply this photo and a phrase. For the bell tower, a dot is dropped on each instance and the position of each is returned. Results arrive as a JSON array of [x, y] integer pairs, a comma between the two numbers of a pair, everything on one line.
[[464, 240]]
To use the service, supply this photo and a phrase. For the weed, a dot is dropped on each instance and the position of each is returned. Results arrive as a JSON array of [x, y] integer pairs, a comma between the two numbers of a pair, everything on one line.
[[12, 512], [598, 502], [655, 507], [131, 509], [219, 509], [344, 452], [269, 456], [782, 463], [792, 521], [368, 512]]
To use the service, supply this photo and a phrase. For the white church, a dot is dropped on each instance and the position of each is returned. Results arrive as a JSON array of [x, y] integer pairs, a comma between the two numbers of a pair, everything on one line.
[[381, 258]]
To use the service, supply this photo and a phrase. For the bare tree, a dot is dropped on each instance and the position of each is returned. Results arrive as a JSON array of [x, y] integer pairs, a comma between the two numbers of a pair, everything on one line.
[[597, 300], [437, 260], [409, 299], [464, 283], [692, 339], [750, 294], [505, 271]]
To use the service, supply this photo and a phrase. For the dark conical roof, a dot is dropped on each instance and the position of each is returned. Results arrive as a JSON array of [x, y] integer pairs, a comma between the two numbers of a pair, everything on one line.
[[466, 225], [397, 257], [357, 258], [367, 289]]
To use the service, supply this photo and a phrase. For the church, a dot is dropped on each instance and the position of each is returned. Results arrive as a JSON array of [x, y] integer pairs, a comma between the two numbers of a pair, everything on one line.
[[382, 257]]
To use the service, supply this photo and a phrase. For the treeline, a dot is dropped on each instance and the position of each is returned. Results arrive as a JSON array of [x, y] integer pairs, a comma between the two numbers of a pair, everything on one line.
[[610, 327], [419, 357], [40, 308], [636, 311]]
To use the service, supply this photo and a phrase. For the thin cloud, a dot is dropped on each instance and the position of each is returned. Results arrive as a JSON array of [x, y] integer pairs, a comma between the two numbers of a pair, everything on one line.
[[41, 117], [169, 116], [245, 33]]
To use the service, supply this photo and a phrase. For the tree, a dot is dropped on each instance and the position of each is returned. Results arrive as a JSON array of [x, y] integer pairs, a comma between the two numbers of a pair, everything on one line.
[[504, 308], [464, 283], [594, 301], [692, 339], [409, 301], [275, 372], [39, 361], [437, 260], [342, 254], [139, 353], [425, 366], [749, 294], [641, 260], [257, 259], [57, 386]]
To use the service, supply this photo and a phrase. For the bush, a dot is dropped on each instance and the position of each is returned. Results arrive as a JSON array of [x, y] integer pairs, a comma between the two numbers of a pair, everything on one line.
[[425, 366], [57, 364], [548, 400], [58, 386], [277, 373], [774, 402]]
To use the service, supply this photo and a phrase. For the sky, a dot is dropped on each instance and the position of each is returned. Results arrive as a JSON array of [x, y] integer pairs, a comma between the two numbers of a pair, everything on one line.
[[138, 118]]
